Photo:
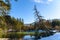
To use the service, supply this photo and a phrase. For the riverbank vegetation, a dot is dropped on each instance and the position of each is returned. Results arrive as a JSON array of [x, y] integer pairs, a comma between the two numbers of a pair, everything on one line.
[[17, 25]]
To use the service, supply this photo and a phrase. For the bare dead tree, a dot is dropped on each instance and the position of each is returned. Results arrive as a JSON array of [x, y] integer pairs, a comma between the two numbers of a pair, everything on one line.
[[39, 23], [39, 18]]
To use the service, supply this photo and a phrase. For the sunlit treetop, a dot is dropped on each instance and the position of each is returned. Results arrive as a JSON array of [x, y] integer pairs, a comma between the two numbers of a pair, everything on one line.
[[5, 4]]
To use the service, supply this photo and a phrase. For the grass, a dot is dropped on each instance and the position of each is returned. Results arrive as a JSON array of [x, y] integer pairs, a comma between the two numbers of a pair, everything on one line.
[[27, 33]]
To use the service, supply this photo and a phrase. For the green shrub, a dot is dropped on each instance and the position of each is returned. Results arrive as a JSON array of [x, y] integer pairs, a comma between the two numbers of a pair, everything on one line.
[[1, 33], [14, 35]]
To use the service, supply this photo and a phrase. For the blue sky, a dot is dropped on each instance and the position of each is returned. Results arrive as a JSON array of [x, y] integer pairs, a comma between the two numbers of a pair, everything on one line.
[[49, 9]]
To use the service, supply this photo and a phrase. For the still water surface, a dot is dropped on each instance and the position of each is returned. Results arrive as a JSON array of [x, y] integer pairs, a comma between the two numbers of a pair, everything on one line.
[[56, 36]]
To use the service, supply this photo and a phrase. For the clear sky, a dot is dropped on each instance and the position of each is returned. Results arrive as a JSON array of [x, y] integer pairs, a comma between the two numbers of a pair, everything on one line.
[[49, 9]]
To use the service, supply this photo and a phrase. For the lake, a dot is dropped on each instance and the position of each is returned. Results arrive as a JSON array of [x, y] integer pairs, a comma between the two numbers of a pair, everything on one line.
[[56, 36]]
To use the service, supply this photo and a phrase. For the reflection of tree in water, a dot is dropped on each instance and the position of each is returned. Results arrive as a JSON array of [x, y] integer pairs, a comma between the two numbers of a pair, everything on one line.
[[40, 25]]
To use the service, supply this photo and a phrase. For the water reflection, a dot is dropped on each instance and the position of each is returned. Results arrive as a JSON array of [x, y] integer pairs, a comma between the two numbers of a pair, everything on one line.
[[28, 37], [56, 36]]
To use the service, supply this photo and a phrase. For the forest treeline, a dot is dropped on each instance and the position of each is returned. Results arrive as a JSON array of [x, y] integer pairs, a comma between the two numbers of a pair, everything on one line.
[[53, 24], [8, 22]]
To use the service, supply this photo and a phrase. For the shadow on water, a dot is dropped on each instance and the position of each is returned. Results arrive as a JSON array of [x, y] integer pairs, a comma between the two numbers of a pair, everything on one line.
[[42, 35]]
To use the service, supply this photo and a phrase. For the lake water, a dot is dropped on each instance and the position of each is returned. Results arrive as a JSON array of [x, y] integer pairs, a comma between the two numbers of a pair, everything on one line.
[[56, 36]]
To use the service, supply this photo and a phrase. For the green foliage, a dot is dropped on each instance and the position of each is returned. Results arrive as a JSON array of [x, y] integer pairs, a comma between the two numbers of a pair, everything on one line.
[[7, 22], [1, 33], [55, 22], [15, 35]]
